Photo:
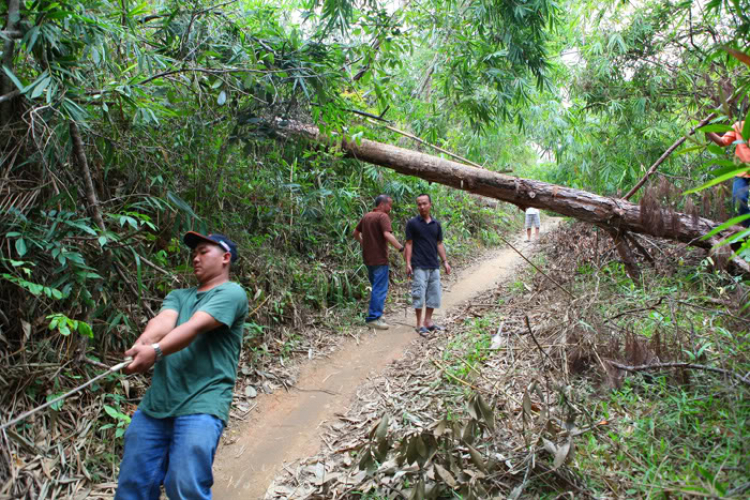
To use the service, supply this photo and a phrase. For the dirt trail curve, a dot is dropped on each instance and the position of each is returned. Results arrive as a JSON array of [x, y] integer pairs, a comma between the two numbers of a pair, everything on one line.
[[286, 426]]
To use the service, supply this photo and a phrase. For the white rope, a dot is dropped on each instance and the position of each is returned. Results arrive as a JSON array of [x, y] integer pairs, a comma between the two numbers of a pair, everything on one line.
[[23, 416]]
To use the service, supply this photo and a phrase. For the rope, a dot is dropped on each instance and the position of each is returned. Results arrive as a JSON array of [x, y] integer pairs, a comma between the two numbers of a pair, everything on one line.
[[24, 416]]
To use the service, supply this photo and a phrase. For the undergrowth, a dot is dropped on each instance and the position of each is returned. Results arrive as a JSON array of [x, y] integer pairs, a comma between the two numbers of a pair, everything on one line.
[[672, 432], [668, 432]]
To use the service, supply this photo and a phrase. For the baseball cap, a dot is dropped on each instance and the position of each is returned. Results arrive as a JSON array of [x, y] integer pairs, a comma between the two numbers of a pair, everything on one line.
[[192, 239]]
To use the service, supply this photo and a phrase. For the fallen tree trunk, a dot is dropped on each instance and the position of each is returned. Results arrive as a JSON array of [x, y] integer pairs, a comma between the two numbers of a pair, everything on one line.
[[618, 214]]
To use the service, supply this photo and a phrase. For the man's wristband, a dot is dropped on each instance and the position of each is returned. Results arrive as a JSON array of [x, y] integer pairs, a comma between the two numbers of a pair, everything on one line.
[[401, 249]]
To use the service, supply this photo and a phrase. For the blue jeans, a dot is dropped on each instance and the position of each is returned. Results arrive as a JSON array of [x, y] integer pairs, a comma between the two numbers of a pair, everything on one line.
[[739, 197], [176, 451], [379, 280]]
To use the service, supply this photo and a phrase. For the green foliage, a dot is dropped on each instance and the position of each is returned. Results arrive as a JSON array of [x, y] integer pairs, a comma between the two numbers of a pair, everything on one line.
[[65, 325], [121, 419], [35, 289], [681, 432], [728, 170], [630, 82], [475, 342], [175, 102], [697, 436]]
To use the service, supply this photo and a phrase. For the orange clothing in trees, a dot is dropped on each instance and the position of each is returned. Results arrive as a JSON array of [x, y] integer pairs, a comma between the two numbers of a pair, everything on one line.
[[743, 151]]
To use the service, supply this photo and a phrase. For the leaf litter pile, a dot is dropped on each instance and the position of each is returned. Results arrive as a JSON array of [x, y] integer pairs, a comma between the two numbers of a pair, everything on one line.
[[506, 402]]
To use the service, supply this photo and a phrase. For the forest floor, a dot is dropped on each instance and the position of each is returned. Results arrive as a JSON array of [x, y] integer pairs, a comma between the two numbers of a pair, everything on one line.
[[288, 425]]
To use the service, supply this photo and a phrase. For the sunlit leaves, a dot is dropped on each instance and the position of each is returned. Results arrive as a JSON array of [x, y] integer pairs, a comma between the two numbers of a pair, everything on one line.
[[493, 47]]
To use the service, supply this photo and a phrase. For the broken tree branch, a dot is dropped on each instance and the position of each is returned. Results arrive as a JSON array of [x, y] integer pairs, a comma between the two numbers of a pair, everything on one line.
[[690, 366], [625, 252], [641, 249], [665, 155]]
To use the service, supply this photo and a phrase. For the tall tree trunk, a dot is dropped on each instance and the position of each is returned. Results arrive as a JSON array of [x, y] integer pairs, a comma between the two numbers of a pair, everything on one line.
[[603, 211], [83, 164], [93, 204], [9, 49]]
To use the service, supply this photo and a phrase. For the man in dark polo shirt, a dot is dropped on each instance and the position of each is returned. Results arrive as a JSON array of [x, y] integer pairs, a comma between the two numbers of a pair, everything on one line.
[[374, 233], [424, 242]]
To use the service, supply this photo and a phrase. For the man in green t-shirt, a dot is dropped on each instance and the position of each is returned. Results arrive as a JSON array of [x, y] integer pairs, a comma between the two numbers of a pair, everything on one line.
[[194, 346]]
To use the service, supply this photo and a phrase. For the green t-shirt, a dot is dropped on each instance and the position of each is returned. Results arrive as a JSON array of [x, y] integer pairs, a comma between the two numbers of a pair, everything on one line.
[[200, 378]]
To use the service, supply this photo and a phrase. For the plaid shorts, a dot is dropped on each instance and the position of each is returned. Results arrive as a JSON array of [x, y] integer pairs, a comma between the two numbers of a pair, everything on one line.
[[532, 220]]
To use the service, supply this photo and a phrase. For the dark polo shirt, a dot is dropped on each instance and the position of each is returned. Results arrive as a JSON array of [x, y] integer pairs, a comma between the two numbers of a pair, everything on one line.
[[425, 238]]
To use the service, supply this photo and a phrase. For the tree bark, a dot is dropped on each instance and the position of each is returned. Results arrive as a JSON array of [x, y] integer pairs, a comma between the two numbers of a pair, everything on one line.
[[588, 207], [9, 50], [83, 163], [93, 202], [425, 143]]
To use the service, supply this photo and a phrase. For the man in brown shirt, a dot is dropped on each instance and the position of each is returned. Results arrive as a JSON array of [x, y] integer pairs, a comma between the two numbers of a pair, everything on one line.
[[374, 233]]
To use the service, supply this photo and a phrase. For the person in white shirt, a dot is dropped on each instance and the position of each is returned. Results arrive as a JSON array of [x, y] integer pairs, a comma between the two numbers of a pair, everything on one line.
[[532, 220]]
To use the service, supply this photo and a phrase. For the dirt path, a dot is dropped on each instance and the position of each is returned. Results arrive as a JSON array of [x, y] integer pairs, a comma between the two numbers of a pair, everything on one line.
[[286, 425]]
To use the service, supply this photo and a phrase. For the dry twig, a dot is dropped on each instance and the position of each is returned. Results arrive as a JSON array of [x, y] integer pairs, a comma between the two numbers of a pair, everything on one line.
[[690, 366]]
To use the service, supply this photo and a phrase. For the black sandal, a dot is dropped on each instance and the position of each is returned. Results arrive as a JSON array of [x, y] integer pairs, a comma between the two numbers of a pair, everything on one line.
[[423, 331]]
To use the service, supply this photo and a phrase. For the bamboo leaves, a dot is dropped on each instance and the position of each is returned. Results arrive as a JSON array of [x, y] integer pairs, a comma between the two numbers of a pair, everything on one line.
[[20, 247], [445, 450], [483, 411], [446, 476]]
